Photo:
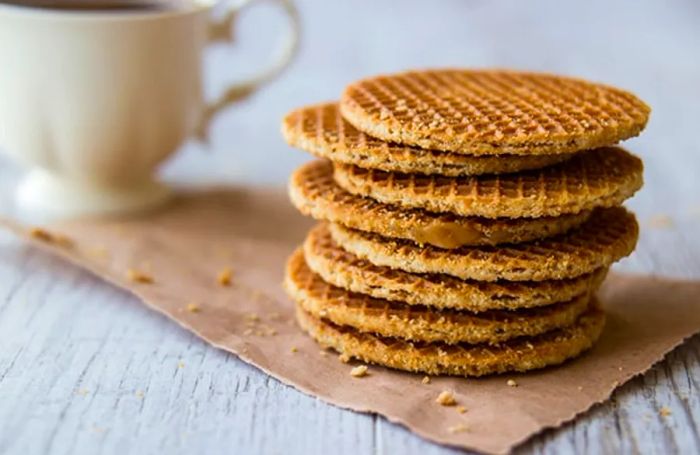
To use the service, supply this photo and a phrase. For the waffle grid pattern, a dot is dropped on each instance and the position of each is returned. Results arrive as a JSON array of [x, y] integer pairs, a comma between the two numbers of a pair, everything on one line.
[[492, 112], [596, 178], [322, 131]]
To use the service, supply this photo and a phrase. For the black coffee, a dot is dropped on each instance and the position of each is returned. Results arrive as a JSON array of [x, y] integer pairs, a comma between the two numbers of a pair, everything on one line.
[[96, 5]]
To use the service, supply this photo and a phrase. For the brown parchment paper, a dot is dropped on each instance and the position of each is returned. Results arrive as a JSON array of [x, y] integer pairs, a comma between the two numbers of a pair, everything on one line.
[[184, 247]]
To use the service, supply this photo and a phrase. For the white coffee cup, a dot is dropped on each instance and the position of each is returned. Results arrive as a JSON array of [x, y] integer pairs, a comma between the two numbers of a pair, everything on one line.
[[93, 100]]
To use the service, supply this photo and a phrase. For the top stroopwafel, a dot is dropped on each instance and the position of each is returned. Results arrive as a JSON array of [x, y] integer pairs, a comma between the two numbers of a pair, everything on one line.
[[492, 112], [322, 131], [602, 177]]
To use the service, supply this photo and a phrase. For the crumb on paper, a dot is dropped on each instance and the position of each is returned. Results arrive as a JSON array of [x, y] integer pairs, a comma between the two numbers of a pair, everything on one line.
[[446, 398], [458, 428], [98, 251], [425, 380], [344, 358], [48, 237], [181, 364], [461, 409], [193, 308], [661, 221], [664, 411], [41, 234], [252, 317], [359, 371], [224, 277], [137, 276], [511, 383], [294, 349], [139, 394], [83, 392]]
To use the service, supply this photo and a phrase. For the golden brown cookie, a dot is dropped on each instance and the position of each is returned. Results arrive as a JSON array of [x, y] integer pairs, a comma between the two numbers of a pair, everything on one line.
[[597, 178], [340, 268], [314, 192], [420, 323], [520, 354], [607, 236], [481, 112], [322, 131]]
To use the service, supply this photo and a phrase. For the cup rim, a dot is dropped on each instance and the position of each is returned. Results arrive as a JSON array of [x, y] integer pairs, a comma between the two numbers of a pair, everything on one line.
[[196, 6]]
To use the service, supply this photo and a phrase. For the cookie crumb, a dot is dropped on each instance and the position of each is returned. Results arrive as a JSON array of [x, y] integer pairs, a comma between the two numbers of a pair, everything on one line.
[[139, 394], [136, 276], [461, 409], [193, 308], [359, 371], [294, 349], [181, 364], [511, 383], [446, 398], [344, 358], [224, 277], [83, 392], [41, 234], [664, 411], [425, 380], [459, 428]]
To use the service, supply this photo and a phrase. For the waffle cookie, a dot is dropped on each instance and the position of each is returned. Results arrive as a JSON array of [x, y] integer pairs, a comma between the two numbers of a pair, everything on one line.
[[421, 323], [314, 192], [607, 236], [479, 112], [322, 131], [345, 270], [520, 354], [603, 177]]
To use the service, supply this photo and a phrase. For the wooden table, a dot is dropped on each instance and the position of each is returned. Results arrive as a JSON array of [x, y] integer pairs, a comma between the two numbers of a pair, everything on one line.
[[85, 368]]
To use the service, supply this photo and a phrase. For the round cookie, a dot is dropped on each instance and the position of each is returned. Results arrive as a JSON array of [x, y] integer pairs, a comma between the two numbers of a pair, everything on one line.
[[596, 178], [322, 131], [607, 236], [314, 192], [420, 323], [481, 112], [345, 270], [521, 354]]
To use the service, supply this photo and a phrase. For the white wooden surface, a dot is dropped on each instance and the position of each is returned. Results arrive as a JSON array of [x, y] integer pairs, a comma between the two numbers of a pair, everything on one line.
[[84, 368]]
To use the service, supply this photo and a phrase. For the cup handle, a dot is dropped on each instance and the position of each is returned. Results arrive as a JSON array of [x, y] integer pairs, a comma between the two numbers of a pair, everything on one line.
[[222, 30]]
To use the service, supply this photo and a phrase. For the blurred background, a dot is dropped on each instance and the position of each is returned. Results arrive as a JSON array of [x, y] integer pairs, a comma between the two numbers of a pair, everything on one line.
[[650, 47]]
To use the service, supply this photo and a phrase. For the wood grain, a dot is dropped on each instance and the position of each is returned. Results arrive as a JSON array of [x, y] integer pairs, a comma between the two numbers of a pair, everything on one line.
[[84, 368]]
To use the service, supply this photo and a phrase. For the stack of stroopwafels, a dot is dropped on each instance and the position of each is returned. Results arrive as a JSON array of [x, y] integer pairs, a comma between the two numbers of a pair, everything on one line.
[[467, 217]]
